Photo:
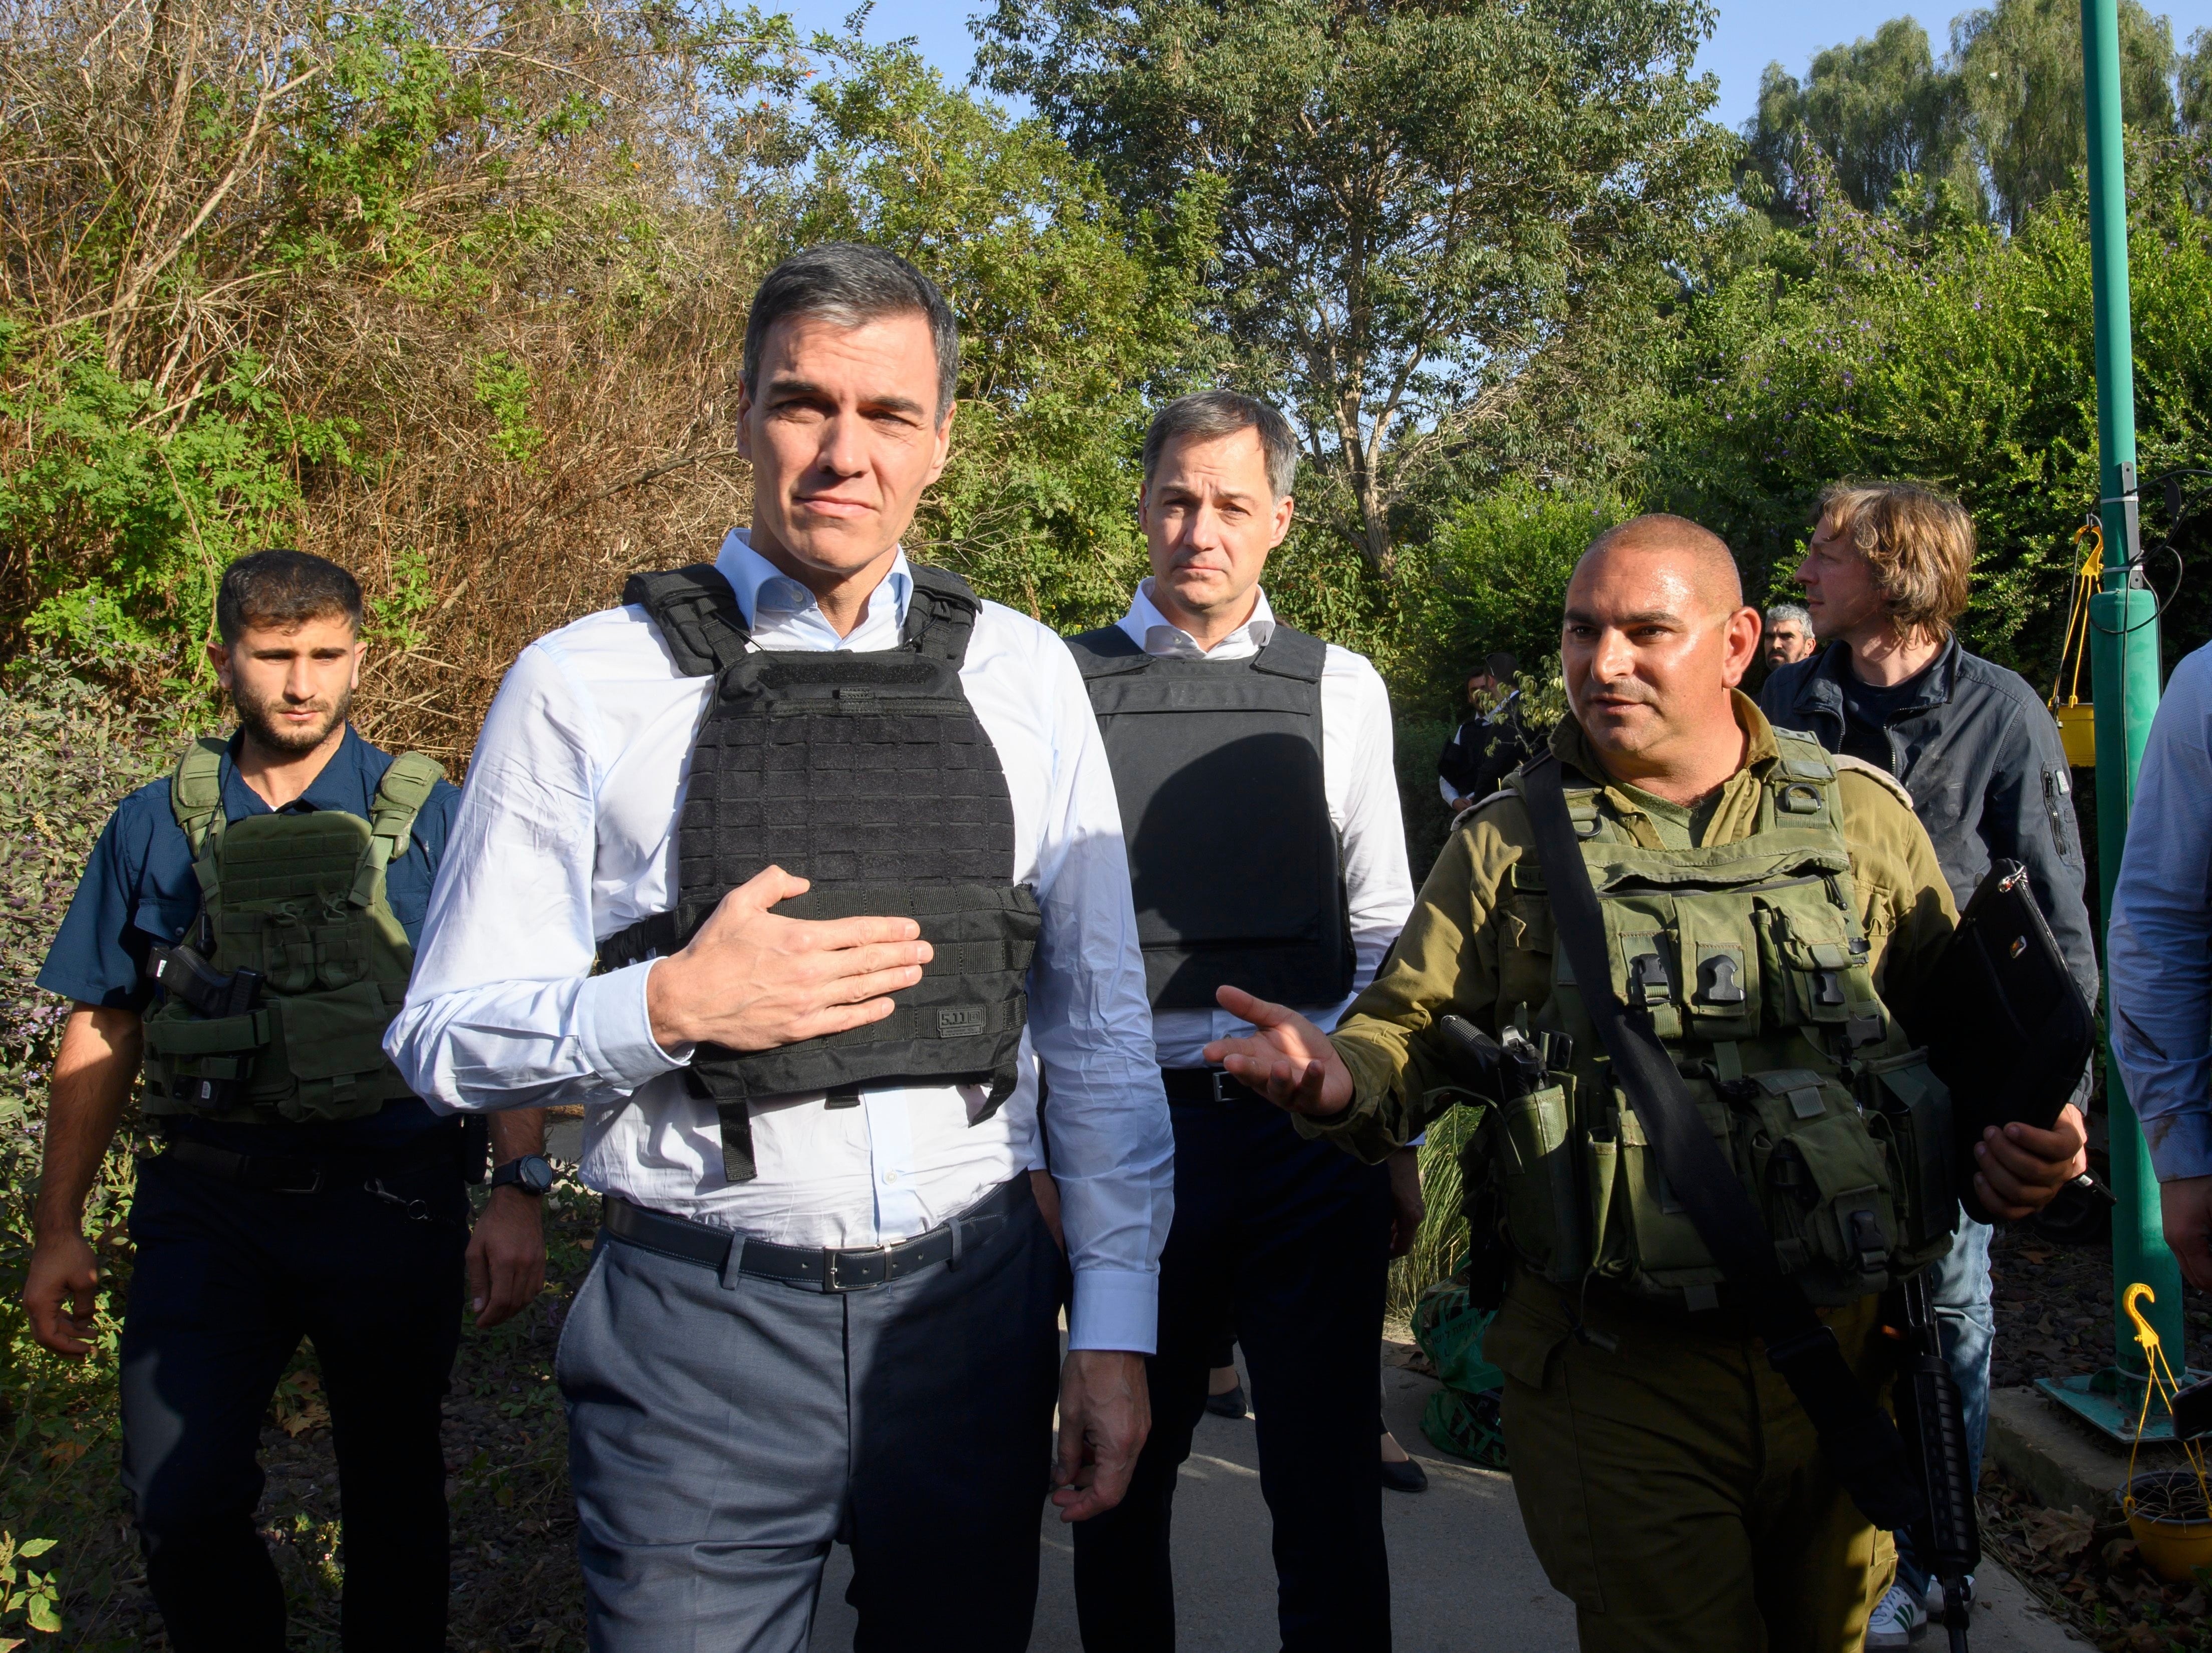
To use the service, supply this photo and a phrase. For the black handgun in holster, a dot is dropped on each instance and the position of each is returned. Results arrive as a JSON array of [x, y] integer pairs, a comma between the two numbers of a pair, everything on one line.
[[184, 973], [1497, 1070]]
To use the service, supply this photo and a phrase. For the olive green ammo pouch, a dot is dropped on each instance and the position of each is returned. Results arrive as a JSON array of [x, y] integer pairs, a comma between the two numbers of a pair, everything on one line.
[[297, 901]]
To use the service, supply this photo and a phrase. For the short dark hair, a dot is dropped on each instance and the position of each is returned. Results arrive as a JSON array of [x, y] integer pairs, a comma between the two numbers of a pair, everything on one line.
[[851, 284], [283, 587], [1223, 413]]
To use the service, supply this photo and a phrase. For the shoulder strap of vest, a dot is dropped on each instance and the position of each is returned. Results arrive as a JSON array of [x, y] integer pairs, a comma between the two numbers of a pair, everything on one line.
[[940, 615], [1863, 1447], [196, 801], [1105, 653], [1293, 653], [406, 786], [697, 614], [195, 790], [1801, 786]]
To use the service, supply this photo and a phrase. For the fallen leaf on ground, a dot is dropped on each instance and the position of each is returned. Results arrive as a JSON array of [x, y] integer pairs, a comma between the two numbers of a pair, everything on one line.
[[2055, 1532]]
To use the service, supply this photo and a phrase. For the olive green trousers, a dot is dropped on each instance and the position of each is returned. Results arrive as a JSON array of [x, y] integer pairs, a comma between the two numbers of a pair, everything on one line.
[[1672, 1485]]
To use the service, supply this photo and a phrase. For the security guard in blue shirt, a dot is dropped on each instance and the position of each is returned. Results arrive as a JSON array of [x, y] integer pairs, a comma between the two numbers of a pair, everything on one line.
[[244, 931]]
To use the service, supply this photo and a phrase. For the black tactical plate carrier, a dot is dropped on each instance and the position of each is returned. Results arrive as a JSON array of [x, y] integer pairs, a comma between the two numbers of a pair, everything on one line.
[[869, 775], [1234, 864]]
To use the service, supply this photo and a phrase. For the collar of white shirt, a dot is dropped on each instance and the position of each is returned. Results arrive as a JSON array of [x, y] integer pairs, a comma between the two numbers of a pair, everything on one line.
[[1155, 634], [776, 605]]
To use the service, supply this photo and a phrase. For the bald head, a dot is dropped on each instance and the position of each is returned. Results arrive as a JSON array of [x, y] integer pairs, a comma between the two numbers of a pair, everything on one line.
[[1699, 556], [1656, 636]]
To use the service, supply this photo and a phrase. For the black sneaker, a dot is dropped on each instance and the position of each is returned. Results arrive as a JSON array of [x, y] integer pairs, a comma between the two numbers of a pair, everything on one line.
[[1228, 1404], [1407, 1477]]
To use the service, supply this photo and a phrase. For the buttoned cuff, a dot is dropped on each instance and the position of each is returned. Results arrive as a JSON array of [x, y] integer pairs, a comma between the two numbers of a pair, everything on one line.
[[1115, 1309], [616, 1032], [2180, 1145]]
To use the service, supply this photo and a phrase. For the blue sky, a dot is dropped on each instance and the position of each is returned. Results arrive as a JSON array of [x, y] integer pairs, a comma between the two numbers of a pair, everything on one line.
[[1751, 34]]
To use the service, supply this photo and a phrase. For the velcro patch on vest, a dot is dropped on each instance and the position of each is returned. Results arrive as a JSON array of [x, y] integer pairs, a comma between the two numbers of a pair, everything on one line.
[[962, 1023]]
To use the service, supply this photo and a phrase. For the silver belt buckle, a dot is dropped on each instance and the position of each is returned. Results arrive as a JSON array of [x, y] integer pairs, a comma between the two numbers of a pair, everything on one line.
[[835, 1281], [1223, 1079]]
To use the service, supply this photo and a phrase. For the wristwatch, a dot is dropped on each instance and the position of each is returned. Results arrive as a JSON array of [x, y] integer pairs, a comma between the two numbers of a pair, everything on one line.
[[530, 1174]]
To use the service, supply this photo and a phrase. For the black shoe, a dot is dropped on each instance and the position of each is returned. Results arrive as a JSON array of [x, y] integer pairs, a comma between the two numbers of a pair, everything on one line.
[[1228, 1404], [1407, 1477]]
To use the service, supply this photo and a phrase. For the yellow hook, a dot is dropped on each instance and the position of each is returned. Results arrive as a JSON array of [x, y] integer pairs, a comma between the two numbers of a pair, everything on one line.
[[2146, 1334]]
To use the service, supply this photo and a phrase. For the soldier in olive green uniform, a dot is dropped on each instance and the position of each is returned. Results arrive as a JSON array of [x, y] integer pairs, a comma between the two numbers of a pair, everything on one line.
[[1764, 909]]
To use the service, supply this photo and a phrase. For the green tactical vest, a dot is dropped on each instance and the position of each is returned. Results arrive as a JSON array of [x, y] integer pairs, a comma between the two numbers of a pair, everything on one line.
[[299, 898], [1751, 961]]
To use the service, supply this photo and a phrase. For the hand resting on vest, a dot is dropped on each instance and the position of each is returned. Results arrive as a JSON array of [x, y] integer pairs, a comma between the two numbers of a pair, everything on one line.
[[751, 981], [1289, 1060]]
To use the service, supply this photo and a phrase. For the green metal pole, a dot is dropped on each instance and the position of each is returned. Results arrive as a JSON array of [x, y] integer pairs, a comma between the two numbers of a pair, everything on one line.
[[2124, 660]]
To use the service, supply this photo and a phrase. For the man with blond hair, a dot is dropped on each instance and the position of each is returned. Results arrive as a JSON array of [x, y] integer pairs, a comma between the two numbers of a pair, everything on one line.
[[1885, 577]]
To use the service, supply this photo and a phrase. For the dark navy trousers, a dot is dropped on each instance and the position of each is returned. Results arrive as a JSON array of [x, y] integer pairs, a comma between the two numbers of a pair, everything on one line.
[[1292, 1239], [227, 1280]]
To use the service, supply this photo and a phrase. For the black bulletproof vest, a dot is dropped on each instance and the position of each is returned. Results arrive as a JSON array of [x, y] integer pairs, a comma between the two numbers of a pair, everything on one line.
[[1233, 859], [869, 775]]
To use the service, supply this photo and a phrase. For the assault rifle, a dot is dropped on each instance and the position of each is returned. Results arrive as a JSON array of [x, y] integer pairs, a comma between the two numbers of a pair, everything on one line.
[[1947, 1539]]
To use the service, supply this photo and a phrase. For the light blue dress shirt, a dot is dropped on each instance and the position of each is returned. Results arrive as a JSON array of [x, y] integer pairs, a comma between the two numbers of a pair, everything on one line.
[[2159, 947]]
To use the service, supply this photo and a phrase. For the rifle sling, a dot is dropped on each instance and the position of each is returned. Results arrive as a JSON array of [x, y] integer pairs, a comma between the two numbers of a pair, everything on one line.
[[1863, 1447]]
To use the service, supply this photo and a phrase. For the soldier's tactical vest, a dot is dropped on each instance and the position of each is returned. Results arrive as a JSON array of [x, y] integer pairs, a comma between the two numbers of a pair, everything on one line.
[[1236, 866], [1750, 959], [297, 899], [869, 775]]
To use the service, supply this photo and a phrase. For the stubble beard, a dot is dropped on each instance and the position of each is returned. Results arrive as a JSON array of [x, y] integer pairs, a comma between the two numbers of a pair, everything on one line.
[[256, 718]]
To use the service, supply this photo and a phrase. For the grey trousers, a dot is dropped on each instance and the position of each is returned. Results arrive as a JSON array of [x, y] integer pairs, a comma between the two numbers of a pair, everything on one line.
[[722, 1438]]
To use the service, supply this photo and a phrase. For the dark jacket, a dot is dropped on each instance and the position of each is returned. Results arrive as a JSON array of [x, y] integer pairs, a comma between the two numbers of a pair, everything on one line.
[[1978, 751]]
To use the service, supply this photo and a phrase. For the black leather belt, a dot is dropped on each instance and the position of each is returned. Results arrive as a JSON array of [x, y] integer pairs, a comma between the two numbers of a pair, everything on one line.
[[1207, 1087], [290, 1173], [827, 1268]]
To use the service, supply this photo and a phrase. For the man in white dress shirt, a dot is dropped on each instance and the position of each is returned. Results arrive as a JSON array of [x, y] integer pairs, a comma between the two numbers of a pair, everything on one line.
[[824, 1306], [1253, 767]]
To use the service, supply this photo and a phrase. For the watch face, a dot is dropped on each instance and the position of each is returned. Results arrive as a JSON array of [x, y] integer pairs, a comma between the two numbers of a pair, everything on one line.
[[534, 1174]]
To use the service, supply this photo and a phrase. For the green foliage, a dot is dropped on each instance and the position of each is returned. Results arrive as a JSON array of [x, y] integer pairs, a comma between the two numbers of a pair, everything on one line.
[[1442, 1240], [1496, 572], [1417, 198], [118, 527], [1961, 357], [1878, 110], [1997, 124], [67, 752], [502, 389], [1075, 318]]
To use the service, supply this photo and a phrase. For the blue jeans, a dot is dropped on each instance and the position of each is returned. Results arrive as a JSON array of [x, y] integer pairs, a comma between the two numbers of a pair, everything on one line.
[[1961, 1286]]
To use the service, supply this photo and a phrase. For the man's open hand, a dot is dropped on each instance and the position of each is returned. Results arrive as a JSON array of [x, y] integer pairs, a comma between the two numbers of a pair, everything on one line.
[[2018, 1171], [1289, 1060], [58, 1292], [507, 1256], [1105, 1412], [751, 981]]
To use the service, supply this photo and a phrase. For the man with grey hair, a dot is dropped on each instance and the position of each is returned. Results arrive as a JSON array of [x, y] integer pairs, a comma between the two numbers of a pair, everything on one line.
[[1260, 808], [794, 871], [1789, 636]]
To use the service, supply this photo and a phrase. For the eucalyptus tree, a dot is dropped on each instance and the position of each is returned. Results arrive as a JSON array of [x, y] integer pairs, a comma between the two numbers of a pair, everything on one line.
[[1878, 109], [1417, 197], [2020, 62]]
